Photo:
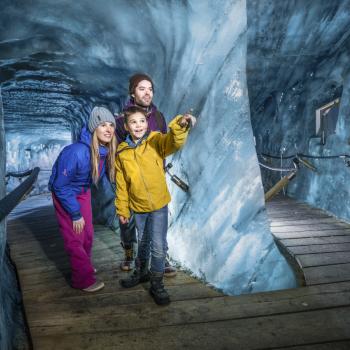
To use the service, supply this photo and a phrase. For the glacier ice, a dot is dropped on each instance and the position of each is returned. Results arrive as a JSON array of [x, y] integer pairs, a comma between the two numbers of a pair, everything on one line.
[[34, 150], [304, 54], [220, 231], [12, 333]]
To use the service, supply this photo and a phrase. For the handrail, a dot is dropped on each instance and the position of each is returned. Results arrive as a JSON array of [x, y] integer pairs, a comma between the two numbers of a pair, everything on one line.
[[14, 197], [23, 173], [19, 173]]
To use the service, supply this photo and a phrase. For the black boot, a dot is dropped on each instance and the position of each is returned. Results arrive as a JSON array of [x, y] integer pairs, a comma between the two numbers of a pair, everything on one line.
[[141, 274], [157, 291], [126, 263]]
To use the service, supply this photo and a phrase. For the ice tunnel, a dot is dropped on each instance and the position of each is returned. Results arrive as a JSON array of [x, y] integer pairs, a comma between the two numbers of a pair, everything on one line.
[[298, 91], [254, 73]]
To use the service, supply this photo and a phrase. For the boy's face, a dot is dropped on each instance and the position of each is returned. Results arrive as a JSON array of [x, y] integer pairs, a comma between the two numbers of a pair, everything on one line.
[[137, 126]]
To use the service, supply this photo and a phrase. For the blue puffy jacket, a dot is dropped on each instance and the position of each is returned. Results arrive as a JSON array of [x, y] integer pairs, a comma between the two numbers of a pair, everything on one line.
[[71, 173]]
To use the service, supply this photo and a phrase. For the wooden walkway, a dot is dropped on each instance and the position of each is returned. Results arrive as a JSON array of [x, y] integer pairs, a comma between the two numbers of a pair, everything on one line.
[[318, 242], [314, 317]]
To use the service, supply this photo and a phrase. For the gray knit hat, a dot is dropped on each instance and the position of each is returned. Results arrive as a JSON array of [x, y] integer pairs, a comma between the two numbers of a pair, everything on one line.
[[98, 116]]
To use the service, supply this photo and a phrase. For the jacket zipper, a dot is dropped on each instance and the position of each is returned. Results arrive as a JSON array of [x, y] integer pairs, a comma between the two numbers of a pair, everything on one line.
[[144, 182]]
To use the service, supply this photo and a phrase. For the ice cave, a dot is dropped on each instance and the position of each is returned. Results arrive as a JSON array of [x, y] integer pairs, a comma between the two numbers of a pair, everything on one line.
[[267, 81]]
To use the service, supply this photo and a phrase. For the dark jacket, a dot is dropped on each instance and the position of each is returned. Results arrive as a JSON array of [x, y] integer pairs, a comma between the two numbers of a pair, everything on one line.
[[156, 121], [71, 173]]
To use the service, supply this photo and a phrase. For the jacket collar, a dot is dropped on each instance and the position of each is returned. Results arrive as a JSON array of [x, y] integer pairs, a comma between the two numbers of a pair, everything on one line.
[[132, 144], [131, 103]]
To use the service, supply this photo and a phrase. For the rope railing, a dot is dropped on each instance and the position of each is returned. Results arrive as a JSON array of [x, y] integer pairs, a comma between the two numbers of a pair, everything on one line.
[[284, 181], [13, 198], [276, 169], [298, 159], [302, 155]]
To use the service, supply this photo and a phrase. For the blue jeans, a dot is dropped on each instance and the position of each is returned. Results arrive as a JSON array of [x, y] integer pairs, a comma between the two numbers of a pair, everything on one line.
[[128, 233], [152, 230]]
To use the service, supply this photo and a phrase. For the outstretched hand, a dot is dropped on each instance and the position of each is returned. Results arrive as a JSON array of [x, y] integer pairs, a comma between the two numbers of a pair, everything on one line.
[[187, 120]]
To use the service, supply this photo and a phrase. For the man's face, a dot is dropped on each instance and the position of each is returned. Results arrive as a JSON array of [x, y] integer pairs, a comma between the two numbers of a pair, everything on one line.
[[143, 93], [137, 126]]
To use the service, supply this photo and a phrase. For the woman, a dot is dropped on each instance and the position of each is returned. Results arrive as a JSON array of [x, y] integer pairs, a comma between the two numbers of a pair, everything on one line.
[[76, 168]]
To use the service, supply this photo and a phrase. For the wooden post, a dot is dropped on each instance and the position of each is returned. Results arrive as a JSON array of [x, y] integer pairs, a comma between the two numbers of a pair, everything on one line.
[[279, 185]]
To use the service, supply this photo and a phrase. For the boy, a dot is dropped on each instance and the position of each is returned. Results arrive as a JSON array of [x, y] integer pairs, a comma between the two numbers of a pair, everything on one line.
[[142, 188]]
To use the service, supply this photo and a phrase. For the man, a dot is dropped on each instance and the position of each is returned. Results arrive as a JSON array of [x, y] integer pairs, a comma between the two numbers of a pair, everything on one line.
[[141, 94]]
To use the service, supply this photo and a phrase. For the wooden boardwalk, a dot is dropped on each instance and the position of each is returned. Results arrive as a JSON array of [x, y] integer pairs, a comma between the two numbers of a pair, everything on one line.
[[318, 242], [315, 317]]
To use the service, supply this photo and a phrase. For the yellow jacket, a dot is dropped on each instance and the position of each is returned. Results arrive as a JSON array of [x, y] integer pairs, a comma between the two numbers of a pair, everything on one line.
[[140, 176]]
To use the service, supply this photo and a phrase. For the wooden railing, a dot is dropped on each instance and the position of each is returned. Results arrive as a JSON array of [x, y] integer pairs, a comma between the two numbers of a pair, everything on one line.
[[14, 197]]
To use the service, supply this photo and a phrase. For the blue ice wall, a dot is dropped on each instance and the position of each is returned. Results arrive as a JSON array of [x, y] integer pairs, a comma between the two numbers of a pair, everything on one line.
[[298, 56], [328, 188], [220, 231], [3, 324], [12, 334], [38, 148]]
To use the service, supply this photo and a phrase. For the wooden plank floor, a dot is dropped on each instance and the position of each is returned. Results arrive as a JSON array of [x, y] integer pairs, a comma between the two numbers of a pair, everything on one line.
[[318, 242], [313, 317]]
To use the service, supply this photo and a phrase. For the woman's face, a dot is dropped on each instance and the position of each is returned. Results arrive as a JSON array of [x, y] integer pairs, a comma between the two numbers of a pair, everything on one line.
[[105, 132]]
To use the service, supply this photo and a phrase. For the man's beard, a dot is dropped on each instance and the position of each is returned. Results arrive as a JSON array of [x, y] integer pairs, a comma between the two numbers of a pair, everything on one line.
[[143, 104]]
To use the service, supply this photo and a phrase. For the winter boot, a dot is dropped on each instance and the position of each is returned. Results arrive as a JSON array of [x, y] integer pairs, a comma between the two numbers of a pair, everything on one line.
[[169, 270], [157, 291], [94, 287], [141, 274], [126, 264]]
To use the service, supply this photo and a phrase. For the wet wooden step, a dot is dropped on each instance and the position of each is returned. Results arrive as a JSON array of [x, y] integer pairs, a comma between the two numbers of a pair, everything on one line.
[[273, 331]]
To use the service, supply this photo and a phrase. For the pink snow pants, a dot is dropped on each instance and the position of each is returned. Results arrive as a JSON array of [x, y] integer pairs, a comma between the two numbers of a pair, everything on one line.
[[78, 246]]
